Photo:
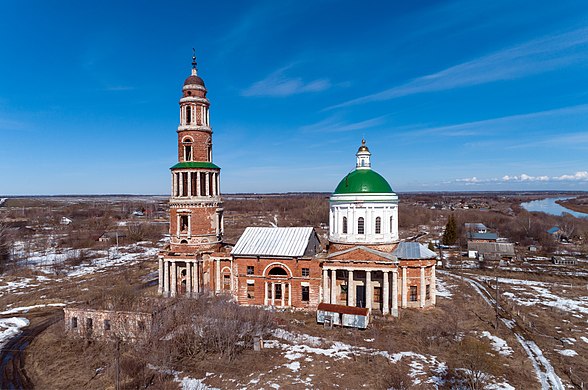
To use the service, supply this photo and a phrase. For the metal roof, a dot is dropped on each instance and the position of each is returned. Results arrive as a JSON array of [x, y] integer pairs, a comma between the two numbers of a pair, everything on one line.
[[413, 250], [482, 236], [492, 247], [476, 225], [273, 241]]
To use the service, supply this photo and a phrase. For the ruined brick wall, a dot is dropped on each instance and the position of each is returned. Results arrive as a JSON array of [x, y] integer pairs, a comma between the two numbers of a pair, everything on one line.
[[106, 324]]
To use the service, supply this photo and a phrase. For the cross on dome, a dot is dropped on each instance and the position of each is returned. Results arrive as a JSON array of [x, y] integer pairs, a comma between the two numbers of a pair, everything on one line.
[[194, 70]]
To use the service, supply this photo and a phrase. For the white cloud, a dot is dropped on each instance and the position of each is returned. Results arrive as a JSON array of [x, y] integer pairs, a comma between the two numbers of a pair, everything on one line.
[[333, 124], [278, 85], [578, 176], [533, 57], [523, 177]]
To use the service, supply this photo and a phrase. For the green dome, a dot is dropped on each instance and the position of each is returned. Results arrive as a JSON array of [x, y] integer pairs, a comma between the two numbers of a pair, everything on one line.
[[363, 181]]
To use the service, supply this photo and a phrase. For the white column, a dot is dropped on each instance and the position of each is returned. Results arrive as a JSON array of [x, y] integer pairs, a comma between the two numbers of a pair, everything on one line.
[[189, 226], [404, 288], [218, 276], [350, 289], [289, 287], [197, 183], [190, 184], [196, 284], [273, 294], [423, 287], [368, 290], [188, 278], [181, 178], [326, 286], [160, 284], [166, 277], [386, 294], [265, 298], [433, 287], [207, 178], [283, 294], [334, 286], [173, 191], [174, 279], [218, 191], [394, 293]]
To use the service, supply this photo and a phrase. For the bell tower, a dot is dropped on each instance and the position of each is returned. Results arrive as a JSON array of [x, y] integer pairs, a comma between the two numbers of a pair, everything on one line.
[[196, 213]]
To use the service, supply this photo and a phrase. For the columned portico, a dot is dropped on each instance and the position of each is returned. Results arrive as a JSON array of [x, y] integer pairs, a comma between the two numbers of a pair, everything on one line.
[[161, 280], [174, 278]]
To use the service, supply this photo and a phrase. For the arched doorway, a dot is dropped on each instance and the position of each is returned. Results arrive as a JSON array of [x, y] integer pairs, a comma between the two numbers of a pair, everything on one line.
[[277, 289]]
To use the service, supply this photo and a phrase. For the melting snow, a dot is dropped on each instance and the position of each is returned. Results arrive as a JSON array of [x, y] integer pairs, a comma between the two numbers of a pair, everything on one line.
[[567, 352], [498, 344], [10, 327]]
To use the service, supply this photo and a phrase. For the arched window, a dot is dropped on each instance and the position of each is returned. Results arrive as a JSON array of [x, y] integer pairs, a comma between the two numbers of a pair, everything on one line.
[[187, 142], [391, 225], [188, 115], [344, 225], [278, 271], [360, 229], [378, 225]]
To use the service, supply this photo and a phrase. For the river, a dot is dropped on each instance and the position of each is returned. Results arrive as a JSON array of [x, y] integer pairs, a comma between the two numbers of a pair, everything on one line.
[[549, 206]]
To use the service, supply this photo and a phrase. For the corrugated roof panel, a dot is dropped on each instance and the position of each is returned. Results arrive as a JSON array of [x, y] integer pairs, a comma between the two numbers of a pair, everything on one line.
[[413, 250], [273, 241]]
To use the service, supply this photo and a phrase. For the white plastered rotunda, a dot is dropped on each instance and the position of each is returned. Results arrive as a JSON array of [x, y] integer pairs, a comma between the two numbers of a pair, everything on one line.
[[363, 208]]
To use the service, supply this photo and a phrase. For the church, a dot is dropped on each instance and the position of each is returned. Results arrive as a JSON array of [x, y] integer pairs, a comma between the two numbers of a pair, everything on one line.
[[364, 264]]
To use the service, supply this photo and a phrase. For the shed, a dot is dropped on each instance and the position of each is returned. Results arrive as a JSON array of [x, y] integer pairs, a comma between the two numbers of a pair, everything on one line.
[[564, 260], [350, 316]]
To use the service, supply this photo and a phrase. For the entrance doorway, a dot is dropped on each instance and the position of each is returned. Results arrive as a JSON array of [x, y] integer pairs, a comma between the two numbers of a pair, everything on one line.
[[360, 296]]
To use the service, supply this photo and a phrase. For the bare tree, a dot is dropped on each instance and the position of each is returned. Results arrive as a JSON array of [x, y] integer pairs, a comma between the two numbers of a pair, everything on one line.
[[5, 257]]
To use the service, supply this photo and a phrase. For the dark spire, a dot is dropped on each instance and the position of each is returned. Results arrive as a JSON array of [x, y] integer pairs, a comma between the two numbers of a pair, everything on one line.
[[194, 60]]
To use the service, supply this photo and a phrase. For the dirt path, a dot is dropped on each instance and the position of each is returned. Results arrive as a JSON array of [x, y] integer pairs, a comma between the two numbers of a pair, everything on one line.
[[12, 370], [543, 368]]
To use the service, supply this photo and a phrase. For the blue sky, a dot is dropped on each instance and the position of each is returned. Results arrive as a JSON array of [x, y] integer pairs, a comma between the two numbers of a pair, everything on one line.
[[450, 95]]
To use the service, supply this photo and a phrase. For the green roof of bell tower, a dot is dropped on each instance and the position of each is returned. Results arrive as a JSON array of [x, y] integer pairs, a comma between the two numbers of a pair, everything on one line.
[[363, 181]]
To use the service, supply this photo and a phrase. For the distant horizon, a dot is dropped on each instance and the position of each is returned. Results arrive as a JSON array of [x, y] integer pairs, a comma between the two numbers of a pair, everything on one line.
[[445, 103], [301, 193]]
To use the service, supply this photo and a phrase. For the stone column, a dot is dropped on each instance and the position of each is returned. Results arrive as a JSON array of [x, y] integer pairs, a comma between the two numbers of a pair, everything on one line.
[[181, 193], [350, 289], [166, 278], [423, 287], [289, 287], [174, 192], [334, 286], [326, 286], [198, 184], [174, 279], [433, 287], [196, 284], [404, 288], [368, 290], [395, 293], [207, 179], [218, 275], [190, 194], [273, 294], [386, 294], [160, 284], [283, 294], [188, 278], [265, 298]]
